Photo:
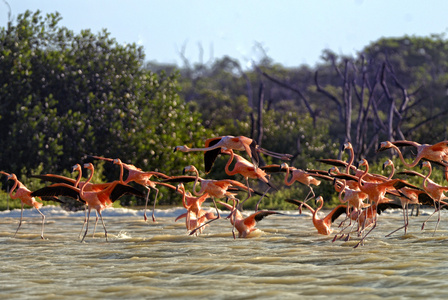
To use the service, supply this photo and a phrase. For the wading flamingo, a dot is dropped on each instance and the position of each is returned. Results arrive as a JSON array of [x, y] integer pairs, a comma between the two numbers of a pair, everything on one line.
[[245, 226], [323, 226], [24, 194], [376, 191], [98, 200], [76, 183], [142, 178]]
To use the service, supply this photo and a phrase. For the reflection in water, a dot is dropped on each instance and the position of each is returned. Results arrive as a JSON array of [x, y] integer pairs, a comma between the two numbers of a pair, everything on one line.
[[285, 258]]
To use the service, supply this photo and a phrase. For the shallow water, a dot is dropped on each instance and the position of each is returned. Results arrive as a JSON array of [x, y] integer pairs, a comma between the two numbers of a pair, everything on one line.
[[286, 258]]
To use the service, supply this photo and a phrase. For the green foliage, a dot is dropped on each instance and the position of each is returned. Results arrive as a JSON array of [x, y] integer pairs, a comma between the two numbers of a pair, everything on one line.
[[65, 95]]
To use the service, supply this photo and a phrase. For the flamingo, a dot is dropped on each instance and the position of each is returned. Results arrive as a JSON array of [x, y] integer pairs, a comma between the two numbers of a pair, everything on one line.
[[303, 177], [323, 226], [193, 206], [76, 183], [24, 194], [240, 143], [435, 190], [247, 170], [142, 178], [245, 226], [215, 188], [437, 153], [98, 200], [376, 191]]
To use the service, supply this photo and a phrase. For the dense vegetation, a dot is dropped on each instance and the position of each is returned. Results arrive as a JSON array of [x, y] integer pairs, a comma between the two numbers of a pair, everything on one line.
[[66, 95]]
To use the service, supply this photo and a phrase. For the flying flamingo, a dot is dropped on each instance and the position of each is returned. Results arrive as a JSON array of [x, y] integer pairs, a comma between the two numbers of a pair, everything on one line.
[[215, 188], [76, 183], [323, 226], [247, 170], [245, 226], [193, 206], [240, 143], [142, 178], [376, 191], [437, 153], [24, 194], [303, 177], [98, 200]]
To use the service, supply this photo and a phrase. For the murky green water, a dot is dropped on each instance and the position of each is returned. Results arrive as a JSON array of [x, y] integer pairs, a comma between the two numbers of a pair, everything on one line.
[[285, 259]]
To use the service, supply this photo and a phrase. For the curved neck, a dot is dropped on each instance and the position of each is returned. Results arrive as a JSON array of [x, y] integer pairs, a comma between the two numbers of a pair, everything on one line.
[[341, 191], [78, 180], [288, 183], [81, 191], [361, 177], [16, 182], [321, 203], [232, 155], [425, 182], [413, 164], [352, 158], [196, 182]]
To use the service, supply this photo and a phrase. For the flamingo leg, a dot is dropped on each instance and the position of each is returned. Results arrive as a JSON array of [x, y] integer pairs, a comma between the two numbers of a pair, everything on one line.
[[146, 205], [405, 219], [249, 194], [258, 203], [85, 220], [96, 222], [43, 224], [154, 207], [20, 222], [87, 225], [218, 216], [104, 226]]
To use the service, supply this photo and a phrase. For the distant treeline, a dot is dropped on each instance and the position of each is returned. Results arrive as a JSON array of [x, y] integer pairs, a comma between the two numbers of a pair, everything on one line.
[[65, 95]]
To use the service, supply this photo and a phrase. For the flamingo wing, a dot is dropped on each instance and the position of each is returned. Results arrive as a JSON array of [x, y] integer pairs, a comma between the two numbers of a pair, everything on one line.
[[55, 178], [57, 189], [119, 190], [211, 155]]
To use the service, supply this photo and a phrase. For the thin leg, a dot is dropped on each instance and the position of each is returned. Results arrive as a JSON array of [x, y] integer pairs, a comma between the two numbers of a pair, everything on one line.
[[43, 224], [96, 222], [258, 203], [104, 226], [85, 220], [146, 205], [20, 222], [87, 225], [218, 216], [154, 206]]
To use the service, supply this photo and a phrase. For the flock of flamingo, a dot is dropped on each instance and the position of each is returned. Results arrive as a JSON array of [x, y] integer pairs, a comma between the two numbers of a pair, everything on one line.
[[363, 195]]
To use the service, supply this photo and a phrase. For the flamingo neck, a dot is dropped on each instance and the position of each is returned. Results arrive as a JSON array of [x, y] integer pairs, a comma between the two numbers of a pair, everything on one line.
[[352, 158], [232, 155], [78, 180], [288, 183], [196, 182], [81, 191], [16, 182], [413, 164]]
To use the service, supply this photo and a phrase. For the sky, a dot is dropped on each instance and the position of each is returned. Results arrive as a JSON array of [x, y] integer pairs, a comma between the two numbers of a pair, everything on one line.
[[290, 32]]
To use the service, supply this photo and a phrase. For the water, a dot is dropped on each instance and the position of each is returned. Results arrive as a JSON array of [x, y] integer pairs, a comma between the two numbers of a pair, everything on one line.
[[285, 259]]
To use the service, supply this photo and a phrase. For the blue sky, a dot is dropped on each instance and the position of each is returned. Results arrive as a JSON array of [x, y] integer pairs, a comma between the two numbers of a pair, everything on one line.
[[291, 32]]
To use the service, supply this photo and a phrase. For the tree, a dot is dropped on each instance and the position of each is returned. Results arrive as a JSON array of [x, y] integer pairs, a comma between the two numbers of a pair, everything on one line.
[[64, 95]]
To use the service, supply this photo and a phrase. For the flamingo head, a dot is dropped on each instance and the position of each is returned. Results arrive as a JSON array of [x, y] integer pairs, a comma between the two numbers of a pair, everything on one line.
[[183, 148], [384, 146], [348, 145], [76, 167], [189, 168], [388, 163]]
